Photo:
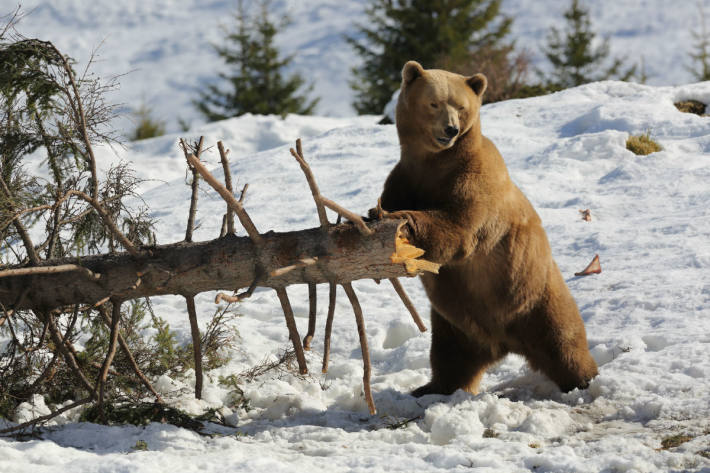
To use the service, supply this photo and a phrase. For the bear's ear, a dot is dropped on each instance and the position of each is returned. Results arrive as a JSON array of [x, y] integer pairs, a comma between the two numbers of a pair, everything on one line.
[[478, 83], [411, 71]]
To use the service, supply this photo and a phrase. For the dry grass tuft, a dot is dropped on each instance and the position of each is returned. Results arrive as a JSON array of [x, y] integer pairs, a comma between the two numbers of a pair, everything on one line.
[[642, 144], [691, 106], [674, 441]]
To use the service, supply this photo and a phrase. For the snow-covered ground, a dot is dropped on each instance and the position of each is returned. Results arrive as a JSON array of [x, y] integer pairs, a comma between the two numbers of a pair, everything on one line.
[[647, 314], [163, 46]]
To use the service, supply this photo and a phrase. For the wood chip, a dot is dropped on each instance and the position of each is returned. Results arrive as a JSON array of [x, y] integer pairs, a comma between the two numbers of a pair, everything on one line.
[[594, 267], [407, 254]]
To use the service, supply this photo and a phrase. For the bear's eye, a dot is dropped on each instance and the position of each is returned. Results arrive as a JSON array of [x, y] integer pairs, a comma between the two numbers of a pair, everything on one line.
[[434, 105]]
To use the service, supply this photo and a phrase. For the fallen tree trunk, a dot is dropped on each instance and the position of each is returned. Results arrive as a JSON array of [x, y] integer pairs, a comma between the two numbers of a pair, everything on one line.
[[333, 254], [341, 253]]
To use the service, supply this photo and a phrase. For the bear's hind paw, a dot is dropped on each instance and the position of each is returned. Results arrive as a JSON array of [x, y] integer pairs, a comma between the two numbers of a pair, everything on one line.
[[429, 388]]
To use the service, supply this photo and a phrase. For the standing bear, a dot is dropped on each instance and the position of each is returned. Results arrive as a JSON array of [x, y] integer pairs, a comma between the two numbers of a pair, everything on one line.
[[498, 290]]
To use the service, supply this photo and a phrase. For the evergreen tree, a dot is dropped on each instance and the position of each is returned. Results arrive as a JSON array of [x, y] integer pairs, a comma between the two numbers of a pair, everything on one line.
[[574, 59], [256, 82], [701, 56], [440, 33]]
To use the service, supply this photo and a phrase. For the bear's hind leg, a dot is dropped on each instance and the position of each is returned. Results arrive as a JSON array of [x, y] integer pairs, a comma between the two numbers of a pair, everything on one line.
[[568, 371], [560, 351], [457, 361]]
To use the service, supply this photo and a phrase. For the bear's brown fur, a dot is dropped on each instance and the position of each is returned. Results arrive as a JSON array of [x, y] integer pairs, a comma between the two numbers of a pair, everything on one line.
[[499, 291]]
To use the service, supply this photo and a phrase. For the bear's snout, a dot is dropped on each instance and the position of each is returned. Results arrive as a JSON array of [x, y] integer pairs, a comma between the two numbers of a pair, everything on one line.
[[451, 131]]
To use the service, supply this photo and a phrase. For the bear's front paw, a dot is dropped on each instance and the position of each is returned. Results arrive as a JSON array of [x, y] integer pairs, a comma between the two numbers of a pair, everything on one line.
[[408, 230], [374, 214]]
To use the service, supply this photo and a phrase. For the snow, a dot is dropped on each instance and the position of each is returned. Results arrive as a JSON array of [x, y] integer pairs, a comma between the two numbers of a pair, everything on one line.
[[647, 314], [162, 47]]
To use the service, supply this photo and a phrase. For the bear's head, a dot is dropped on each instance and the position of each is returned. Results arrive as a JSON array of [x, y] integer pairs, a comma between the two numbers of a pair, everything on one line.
[[437, 107]]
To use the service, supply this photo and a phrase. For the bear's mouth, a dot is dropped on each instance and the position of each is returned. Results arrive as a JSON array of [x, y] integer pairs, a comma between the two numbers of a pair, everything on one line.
[[444, 141]]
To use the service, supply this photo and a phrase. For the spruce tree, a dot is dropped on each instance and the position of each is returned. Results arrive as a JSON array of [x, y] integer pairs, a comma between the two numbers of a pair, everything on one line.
[[574, 59], [701, 55], [256, 83], [443, 33]]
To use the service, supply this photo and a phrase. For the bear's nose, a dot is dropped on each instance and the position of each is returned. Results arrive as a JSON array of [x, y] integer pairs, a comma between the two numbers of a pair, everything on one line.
[[451, 131]]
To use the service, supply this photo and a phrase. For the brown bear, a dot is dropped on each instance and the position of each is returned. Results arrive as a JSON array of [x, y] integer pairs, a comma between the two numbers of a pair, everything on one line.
[[498, 290]]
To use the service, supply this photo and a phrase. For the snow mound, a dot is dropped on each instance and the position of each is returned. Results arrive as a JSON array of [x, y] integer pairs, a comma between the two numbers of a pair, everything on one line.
[[647, 314]]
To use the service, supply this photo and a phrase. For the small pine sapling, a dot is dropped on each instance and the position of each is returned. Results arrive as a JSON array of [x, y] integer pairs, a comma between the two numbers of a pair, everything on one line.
[[255, 79], [574, 59]]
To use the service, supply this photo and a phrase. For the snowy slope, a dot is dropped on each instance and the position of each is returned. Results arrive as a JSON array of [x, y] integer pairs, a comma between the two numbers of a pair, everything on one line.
[[647, 314], [163, 46]]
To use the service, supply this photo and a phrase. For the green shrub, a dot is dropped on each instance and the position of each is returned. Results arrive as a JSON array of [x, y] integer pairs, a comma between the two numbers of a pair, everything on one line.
[[147, 127], [141, 413], [141, 445]]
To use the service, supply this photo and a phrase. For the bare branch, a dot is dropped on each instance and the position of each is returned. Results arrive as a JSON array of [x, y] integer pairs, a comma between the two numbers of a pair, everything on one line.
[[81, 119], [228, 197], [312, 309], [24, 234], [131, 358], [292, 330], [45, 373], [408, 303], [238, 297], [38, 420], [332, 292], [244, 193], [228, 185], [223, 228], [49, 270], [196, 344], [20, 213], [360, 321], [12, 19], [195, 186], [221, 296], [113, 339], [302, 263], [298, 154], [63, 344], [355, 218]]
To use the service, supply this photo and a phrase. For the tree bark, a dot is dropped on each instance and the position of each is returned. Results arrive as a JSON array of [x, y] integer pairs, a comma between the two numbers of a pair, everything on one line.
[[226, 263]]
